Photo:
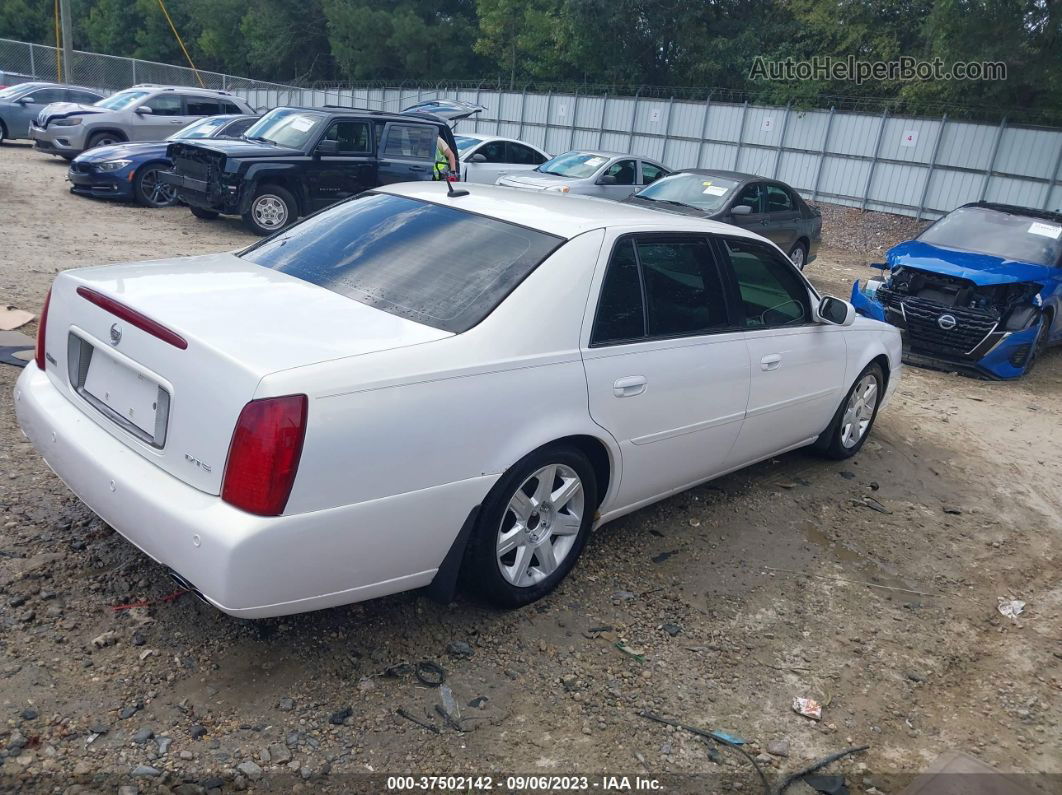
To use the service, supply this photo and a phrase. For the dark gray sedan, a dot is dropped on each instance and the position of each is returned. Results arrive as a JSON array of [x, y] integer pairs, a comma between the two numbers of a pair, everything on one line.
[[764, 206]]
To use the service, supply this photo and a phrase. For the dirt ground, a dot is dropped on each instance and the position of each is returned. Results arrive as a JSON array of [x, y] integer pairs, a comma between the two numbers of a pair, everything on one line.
[[869, 585]]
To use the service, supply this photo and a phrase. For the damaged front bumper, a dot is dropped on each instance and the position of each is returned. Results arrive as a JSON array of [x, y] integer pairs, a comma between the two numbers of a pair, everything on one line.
[[943, 337]]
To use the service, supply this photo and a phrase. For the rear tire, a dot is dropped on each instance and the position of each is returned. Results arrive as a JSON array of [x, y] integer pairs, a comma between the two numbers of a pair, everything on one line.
[[103, 139], [206, 215], [273, 208], [532, 527], [799, 255], [150, 191], [851, 425]]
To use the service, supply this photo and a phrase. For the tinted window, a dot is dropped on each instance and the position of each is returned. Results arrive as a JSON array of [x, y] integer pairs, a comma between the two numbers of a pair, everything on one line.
[[435, 265], [416, 141], [752, 196], [683, 291], [982, 229], [494, 152], [524, 155], [202, 106], [229, 107], [779, 200], [237, 128], [772, 293], [624, 172], [48, 95], [620, 312], [352, 137], [165, 105], [84, 97], [651, 173]]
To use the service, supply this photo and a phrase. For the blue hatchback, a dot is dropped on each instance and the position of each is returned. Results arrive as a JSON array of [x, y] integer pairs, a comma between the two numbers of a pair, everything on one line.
[[980, 290], [129, 171]]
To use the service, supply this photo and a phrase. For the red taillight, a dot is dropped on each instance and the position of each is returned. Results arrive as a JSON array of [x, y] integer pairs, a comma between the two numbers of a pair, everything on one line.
[[141, 321], [264, 454], [42, 331]]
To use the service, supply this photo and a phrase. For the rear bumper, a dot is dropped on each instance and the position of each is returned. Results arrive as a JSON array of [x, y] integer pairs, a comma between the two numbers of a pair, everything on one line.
[[245, 565]]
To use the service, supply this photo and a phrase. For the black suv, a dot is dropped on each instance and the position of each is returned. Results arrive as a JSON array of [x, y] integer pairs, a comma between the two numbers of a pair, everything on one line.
[[295, 161]]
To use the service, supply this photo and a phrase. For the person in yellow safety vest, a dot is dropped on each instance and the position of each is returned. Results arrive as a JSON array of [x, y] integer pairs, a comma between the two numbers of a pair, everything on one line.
[[444, 157]]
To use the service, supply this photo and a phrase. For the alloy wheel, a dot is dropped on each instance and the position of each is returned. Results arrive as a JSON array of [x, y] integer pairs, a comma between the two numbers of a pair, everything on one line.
[[797, 256], [155, 190], [270, 212], [859, 412], [540, 525]]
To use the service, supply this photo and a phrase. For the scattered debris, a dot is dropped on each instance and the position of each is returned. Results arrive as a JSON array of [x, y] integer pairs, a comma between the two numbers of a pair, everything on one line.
[[671, 629], [429, 673], [827, 785], [450, 709], [847, 474], [665, 555], [635, 653], [1011, 608], [340, 715], [952, 510], [874, 505], [818, 765], [11, 318], [479, 702], [398, 670], [422, 723], [778, 747], [808, 707], [108, 638], [460, 649]]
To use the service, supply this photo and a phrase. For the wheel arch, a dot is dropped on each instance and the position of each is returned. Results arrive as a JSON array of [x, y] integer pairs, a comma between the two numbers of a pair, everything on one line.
[[603, 457], [115, 131], [257, 178]]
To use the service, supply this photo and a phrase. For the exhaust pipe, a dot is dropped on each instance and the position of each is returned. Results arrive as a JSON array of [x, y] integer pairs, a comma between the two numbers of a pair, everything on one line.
[[183, 583]]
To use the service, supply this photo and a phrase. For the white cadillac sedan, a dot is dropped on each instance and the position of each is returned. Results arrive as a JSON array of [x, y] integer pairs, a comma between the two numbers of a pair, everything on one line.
[[414, 385]]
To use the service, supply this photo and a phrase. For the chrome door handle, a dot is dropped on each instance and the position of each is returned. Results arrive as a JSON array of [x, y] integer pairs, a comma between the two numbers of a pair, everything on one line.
[[771, 361], [630, 386]]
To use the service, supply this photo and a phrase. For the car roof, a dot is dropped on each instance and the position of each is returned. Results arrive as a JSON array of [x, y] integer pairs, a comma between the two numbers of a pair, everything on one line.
[[383, 115], [555, 213], [485, 138], [738, 176], [1013, 209], [211, 92]]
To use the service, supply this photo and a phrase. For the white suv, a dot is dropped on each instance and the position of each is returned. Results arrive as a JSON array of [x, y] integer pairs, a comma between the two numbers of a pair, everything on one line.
[[141, 113]]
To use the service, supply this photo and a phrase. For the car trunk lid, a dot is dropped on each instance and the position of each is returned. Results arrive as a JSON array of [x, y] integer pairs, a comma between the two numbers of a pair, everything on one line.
[[164, 355]]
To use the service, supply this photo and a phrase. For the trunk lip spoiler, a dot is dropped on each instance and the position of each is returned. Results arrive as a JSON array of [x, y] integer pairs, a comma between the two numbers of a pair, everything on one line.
[[137, 319]]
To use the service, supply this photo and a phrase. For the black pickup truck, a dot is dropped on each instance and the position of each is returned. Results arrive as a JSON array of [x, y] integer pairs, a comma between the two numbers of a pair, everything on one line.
[[295, 161]]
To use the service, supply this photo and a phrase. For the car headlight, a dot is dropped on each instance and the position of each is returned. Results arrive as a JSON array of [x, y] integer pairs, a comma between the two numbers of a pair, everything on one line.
[[112, 165], [559, 189], [71, 122]]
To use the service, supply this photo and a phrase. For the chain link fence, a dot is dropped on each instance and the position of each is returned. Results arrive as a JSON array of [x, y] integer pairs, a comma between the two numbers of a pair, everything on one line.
[[845, 150]]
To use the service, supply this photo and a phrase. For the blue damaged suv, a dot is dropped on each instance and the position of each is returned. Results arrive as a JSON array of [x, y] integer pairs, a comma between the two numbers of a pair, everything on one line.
[[979, 291]]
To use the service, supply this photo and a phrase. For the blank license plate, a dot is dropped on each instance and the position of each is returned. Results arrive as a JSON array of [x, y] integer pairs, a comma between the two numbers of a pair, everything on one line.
[[124, 391]]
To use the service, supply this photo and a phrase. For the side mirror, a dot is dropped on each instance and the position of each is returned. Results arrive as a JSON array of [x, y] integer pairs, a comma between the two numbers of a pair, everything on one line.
[[143, 110], [741, 209], [477, 159], [607, 179], [26, 101], [327, 148], [835, 311]]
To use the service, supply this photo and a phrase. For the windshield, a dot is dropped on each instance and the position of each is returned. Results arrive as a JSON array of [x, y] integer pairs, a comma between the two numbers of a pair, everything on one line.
[[121, 100], [204, 128], [577, 165], [286, 127], [987, 231], [693, 190], [464, 142], [435, 265]]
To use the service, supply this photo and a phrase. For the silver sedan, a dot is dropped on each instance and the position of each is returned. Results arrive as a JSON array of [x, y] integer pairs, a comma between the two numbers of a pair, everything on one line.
[[607, 175]]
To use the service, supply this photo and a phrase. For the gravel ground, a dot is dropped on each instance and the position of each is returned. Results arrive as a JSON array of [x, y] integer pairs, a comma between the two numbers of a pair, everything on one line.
[[869, 585], [867, 235]]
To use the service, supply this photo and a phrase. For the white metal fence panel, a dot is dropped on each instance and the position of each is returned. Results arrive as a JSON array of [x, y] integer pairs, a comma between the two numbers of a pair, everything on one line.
[[914, 166]]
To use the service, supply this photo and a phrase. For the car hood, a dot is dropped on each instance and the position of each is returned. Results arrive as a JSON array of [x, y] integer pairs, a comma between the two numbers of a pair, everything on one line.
[[124, 151], [981, 269], [61, 110], [241, 147], [536, 179]]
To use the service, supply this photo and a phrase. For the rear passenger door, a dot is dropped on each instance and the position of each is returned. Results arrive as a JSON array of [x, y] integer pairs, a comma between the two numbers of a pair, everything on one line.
[[333, 177], [667, 367], [797, 364], [651, 173], [407, 152]]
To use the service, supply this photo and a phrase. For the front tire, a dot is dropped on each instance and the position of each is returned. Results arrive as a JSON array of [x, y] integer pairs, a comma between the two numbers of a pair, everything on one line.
[[272, 209], [150, 191], [532, 527], [799, 255], [102, 139], [850, 426]]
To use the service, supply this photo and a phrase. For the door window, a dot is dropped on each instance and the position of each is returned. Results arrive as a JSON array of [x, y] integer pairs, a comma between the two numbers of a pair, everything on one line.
[[660, 287], [228, 107], [772, 293], [165, 105], [779, 200], [625, 172], [201, 106], [47, 95], [417, 141], [752, 195], [235, 129], [83, 97], [494, 152], [524, 155], [352, 137], [651, 173]]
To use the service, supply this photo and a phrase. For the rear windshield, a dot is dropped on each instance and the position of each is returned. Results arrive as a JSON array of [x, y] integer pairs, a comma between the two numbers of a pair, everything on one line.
[[987, 231], [435, 265]]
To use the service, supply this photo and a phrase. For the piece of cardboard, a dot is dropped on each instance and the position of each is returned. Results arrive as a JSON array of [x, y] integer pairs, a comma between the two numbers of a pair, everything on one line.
[[958, 773], [11, 318]]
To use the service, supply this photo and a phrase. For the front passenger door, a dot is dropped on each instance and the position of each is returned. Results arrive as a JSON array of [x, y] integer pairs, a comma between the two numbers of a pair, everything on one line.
[[166, 117], [798, 365], [352, 169], [625, 173], [493, 166], [667, 371]]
